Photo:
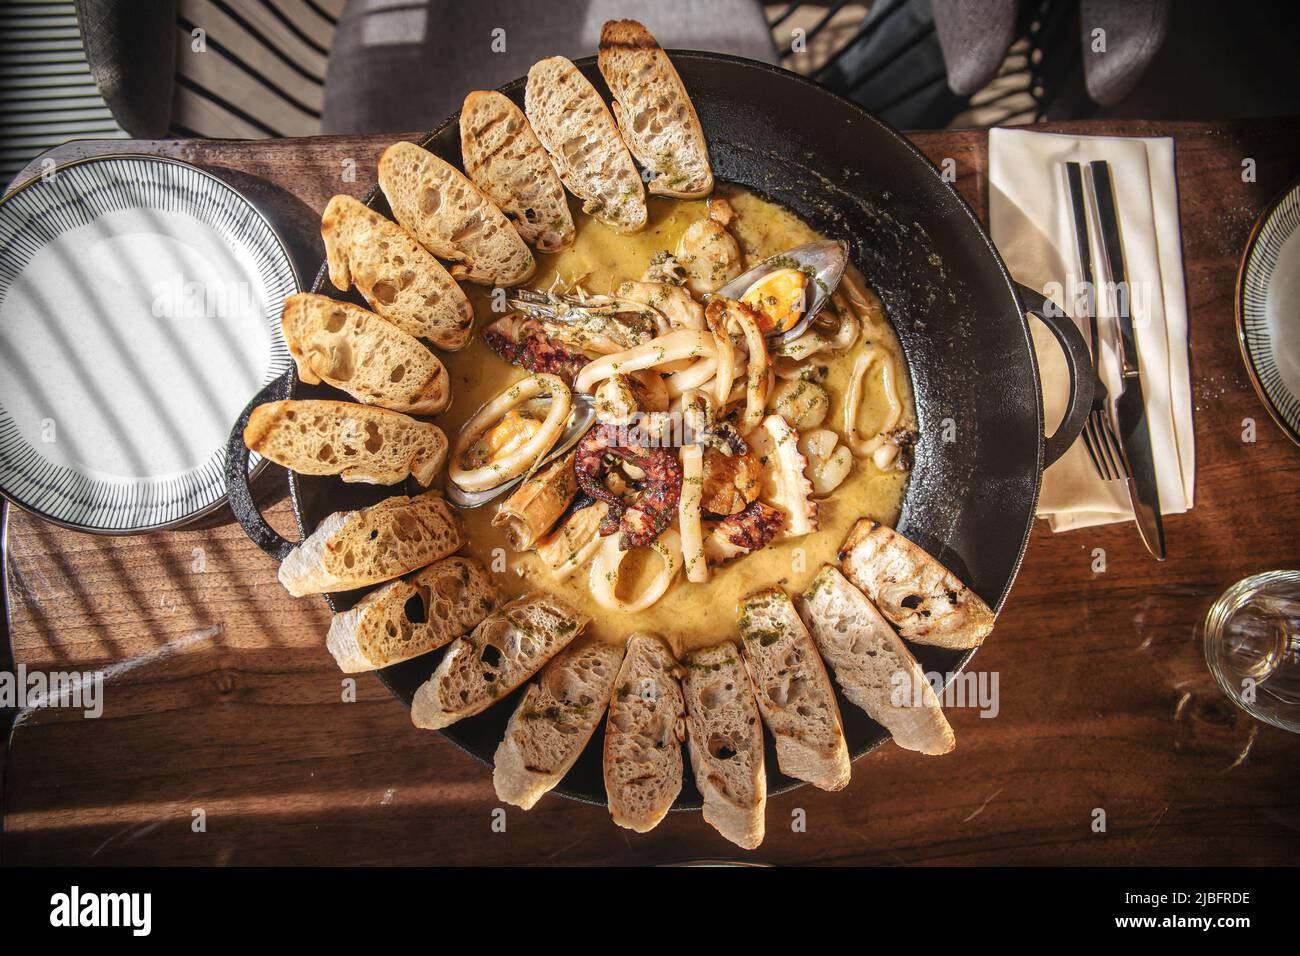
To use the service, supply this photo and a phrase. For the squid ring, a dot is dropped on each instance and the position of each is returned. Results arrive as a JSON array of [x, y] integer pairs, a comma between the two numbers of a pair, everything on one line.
[[757, 382], [860, 444], [688, 514], [692, 377], [603, 579], [525, 457], [681, 344]]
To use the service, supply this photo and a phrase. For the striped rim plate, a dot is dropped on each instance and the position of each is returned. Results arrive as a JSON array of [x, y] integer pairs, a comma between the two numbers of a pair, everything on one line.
[[1268, 310], [140, 301]]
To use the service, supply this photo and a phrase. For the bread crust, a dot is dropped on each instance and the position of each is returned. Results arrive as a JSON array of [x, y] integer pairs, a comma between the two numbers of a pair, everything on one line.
[[452, 217], [506, 160], [582, 139], [872, 665], [416, 293], [359, 443], [455, 594], [724, 733], [918, 595], [646, 86], [793, 691]]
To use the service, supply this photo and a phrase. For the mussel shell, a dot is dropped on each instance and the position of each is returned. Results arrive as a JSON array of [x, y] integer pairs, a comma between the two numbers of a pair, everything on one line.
[[580, 421], [826, 260]]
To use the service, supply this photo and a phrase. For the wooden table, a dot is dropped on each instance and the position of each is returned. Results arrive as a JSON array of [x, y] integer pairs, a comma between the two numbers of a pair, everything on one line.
[[220, 697]]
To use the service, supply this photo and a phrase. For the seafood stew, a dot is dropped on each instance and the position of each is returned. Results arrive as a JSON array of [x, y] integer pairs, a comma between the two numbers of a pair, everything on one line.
[[815, 390], [967, 396]]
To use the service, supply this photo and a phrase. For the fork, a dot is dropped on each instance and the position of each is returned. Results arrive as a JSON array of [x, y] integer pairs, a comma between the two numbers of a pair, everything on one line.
[[1098, 432]]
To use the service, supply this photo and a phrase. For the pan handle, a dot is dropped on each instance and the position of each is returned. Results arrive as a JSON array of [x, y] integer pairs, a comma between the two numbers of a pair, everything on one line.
[[238, 491], [1079, 361]]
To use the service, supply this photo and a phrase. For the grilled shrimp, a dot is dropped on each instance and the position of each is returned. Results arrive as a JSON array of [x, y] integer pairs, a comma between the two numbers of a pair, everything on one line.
[[523, 341]]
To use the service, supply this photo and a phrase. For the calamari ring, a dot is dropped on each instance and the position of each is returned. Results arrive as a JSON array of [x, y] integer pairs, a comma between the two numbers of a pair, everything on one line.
[[523, 458], [688, 514], [715, 317], [698, 373], [681, 344], [861, 445], [719, 316], [603, 579]]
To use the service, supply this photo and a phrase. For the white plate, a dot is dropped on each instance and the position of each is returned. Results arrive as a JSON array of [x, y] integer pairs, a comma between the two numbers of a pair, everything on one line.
[[1268, 310], [140, 304]]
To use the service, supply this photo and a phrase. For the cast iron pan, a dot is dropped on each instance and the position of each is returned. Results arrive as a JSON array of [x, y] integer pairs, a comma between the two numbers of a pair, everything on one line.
[[961, 319]]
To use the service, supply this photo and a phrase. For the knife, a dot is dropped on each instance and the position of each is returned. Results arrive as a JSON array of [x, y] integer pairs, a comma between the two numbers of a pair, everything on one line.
[[1130, 406]]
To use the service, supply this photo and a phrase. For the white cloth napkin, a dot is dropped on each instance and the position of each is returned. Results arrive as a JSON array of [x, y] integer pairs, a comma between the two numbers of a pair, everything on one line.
[[1029, 217]]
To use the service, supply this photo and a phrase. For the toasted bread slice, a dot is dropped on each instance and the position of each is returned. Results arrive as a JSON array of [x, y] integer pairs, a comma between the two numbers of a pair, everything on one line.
[[725, 737], [506, 160], [575, 126], [354, 549], [397, 276], [509, 646], [359, 443], [872, 665], [794, 694], [452, 218], [917, 594], [369, 358], [643, 735], [654, 112], [554, 720], [412, 616]]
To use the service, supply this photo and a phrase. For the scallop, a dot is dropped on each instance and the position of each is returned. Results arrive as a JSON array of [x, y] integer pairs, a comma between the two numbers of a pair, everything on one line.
[[802, 403]]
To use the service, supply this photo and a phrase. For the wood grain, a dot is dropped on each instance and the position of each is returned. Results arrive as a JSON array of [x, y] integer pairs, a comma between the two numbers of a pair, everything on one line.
[[221, 698]]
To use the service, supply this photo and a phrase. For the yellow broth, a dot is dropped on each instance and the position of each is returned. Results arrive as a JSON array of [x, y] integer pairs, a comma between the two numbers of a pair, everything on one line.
[[688, 615]]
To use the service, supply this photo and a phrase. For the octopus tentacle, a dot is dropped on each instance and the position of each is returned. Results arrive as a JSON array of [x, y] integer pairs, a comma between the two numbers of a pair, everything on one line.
[[658, 491]]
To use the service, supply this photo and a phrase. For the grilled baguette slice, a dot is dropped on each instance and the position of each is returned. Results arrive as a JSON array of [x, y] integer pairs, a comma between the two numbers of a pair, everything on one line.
[[725, 738], [794, 694], [506, 160], [397, 276], [554, 720], [354, 549], [355, 350], [654, 111], [452, 218], [575, 126], [507, 648], [643, 735], [918, 595], [412, 616], [356, 442], [873, 667]]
